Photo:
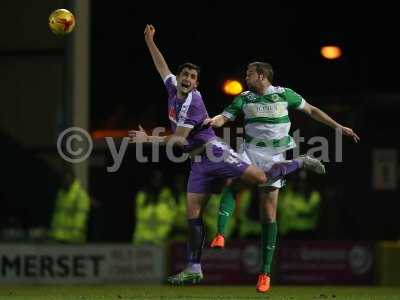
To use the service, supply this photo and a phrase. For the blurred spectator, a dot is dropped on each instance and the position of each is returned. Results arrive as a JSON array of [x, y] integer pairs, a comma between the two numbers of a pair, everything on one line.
[[12, 230], [298, 209], [248, 213], [69, 223], [179, 229], [25, 176], [155, 212]]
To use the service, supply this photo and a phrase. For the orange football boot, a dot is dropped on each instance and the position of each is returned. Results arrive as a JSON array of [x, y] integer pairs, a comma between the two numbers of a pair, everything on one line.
[[218, 241], [263, 283]]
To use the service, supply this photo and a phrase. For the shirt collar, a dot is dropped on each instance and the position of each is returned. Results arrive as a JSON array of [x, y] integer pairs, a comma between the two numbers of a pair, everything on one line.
[[270, 89]]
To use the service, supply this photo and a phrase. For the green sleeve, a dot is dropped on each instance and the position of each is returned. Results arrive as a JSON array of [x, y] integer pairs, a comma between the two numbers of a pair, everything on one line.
[[293, 99], [235, 108]]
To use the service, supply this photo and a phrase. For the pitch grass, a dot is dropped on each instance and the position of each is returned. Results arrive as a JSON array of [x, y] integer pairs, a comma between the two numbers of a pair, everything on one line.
[[163, 292]]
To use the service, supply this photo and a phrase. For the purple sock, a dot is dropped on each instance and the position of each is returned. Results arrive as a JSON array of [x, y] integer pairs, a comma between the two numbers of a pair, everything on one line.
[[195, 240], [279, 170], [194, 268]]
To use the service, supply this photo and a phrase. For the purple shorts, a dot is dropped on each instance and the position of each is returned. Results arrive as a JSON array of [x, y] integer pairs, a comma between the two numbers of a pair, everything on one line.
[[210, 169]]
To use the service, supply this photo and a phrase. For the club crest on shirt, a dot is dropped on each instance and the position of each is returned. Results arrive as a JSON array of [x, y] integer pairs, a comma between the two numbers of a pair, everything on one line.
[[251, 97], [275, 97]]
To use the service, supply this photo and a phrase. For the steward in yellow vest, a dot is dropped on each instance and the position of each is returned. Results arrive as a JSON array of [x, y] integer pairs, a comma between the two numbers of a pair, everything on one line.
[[298, 211], [69, 223], [249, 224], [155, 216]]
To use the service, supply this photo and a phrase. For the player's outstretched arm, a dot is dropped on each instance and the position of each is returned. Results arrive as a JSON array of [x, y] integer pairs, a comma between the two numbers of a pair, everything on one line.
[[158, 59], [217, 121], [320, 116], [178, 138]]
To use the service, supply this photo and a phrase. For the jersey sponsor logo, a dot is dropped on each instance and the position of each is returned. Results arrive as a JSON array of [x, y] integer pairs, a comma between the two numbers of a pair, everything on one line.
[[271, 110], [183, 113], [265, 108]]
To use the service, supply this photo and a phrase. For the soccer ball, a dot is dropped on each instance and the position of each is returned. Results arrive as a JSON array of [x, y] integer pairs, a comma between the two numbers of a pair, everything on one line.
[[61, 21]]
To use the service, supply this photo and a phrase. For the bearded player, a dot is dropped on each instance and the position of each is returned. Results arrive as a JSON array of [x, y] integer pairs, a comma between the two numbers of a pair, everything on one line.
[[212, 161]]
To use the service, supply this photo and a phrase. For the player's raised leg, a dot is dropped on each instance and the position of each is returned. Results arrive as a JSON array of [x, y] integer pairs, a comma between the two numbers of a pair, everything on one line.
[[193, 273], [255, 175], [226, 209]]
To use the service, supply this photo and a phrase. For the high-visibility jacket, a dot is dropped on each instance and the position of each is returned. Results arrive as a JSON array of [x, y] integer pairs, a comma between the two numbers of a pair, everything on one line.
[[69, 223], [180, 226], [297, 212], [210, 219], [154, 220], [247, 225]]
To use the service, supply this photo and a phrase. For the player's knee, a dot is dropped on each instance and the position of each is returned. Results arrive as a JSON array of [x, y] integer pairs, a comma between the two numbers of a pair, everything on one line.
[[234, 185], [270, 219], [193, 210], [260, 177], [193, 214], [254, 175]]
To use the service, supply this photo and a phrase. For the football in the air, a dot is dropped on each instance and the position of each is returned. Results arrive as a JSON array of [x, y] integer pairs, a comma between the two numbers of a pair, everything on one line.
[[61, 21]]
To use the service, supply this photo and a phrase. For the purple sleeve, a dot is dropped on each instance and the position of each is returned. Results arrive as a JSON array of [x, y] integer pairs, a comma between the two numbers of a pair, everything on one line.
[[170, 84], [192, 113]]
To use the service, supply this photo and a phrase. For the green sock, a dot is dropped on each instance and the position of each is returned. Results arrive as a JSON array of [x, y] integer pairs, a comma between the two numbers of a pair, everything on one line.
[[226, 208], [268, 242]]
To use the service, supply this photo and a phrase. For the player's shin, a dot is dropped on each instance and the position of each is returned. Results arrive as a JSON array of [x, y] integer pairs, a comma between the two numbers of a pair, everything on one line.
[[195, 244], [268, 243], [226, 208]]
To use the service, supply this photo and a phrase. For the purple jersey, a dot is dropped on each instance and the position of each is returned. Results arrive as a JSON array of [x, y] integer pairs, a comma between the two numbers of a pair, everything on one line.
[[190, 113]]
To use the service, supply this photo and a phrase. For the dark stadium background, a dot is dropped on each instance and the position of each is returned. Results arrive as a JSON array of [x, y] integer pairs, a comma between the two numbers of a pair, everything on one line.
[[360, 90], [223, 37]]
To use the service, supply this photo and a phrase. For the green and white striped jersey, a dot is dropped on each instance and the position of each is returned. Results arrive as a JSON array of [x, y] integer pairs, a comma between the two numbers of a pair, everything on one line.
[[266, 117]]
